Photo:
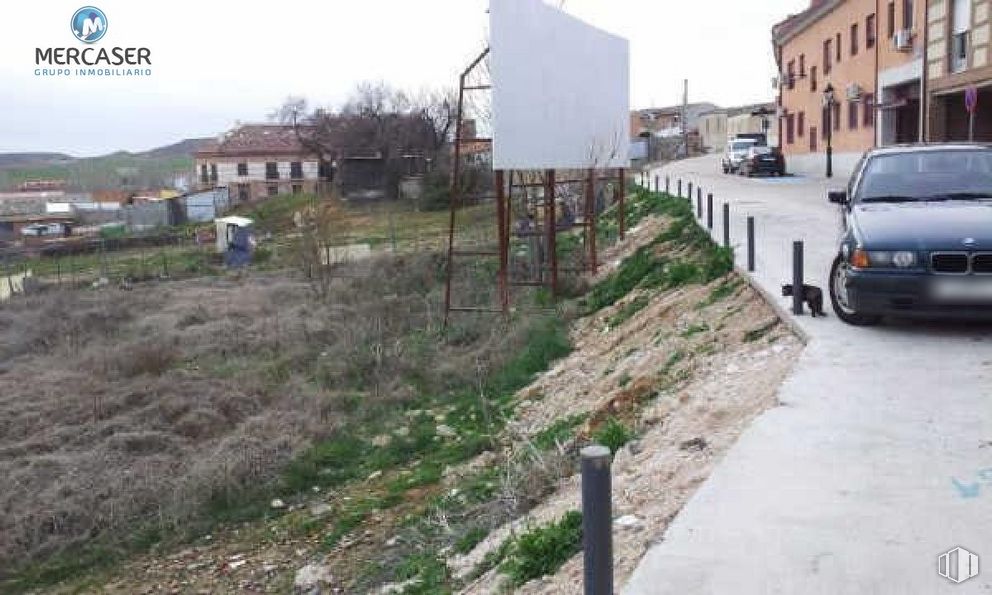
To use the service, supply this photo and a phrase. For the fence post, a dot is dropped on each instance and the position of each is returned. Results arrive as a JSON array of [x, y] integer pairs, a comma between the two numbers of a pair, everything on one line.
[[709, 211], [726, 225], [597, 520], [750, 244], [797, 278]]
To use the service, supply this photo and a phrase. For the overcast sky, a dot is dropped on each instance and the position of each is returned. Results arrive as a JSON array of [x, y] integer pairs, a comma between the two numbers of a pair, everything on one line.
[[215, 63]]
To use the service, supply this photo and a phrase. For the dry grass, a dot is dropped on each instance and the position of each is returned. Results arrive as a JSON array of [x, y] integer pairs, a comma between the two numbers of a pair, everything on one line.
[[125, 415]]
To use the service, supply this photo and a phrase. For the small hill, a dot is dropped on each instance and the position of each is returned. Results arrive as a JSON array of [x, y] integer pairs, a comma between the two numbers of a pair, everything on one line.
[[184, 148], [22, 159]]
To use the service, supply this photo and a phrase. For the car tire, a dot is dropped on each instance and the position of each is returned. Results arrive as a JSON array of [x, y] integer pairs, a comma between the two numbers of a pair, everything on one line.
[[838, 298]]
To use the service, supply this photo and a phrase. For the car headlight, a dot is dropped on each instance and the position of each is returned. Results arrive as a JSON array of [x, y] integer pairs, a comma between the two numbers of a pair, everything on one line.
[[864, 259]]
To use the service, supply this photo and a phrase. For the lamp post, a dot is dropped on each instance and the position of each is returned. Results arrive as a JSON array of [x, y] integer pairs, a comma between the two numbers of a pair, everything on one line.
[[828, 105]]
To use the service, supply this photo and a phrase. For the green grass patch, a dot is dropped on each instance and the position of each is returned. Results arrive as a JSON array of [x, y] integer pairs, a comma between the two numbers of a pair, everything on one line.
[[543, 550], [757, 334], [695, 329], [613, 435], [629, 310], [560, 432]]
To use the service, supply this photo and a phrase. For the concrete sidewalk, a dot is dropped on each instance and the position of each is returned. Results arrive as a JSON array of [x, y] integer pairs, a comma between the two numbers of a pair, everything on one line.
[[878, 460]]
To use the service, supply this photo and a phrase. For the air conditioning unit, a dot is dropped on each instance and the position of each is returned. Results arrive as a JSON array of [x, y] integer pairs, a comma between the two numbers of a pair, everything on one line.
[[904, 40], [854, 92]]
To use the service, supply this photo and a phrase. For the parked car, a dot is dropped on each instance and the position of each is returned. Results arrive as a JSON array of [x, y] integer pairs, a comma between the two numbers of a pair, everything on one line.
[[762, 160], [44, 230], [917, 235], [735, 154]]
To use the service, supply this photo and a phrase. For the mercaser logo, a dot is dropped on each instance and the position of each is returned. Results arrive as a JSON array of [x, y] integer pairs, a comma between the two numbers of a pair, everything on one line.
[[957, 565], [89, 24]]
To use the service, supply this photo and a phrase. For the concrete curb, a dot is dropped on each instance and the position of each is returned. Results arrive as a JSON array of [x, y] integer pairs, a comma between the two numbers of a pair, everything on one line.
[[783, 314]]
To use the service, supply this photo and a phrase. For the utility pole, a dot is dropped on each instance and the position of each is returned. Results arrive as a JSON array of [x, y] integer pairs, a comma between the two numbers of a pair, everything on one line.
[[685, 115]]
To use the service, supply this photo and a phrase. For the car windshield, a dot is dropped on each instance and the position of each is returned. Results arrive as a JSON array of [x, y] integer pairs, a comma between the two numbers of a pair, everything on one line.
[[741, 146], [755, 151], [928, 176]]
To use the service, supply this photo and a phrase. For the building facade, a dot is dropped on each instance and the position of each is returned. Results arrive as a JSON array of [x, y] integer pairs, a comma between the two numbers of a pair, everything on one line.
[[902, 71], [257, 161]]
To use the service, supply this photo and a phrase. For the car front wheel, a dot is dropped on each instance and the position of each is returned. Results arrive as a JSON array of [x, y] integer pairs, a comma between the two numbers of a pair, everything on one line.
[[840, 299]]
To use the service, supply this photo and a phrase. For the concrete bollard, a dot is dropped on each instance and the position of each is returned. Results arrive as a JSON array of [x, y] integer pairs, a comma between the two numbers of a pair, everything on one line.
[[726, 225], [797, 278], [709, 212], [597, 520], [750, 244]]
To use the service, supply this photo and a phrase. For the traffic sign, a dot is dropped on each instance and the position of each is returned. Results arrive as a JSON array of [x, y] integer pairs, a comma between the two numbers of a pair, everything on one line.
[[971, 99]]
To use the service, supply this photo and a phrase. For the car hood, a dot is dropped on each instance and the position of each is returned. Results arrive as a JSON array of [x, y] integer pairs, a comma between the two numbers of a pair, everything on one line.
[[924, 226]]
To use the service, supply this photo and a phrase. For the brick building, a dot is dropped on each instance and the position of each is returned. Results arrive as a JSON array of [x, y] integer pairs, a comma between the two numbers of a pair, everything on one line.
[[899, 70], [256, 161]]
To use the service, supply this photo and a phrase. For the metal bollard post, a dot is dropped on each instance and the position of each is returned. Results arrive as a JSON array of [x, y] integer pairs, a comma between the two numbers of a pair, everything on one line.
[[690, 190], [797, 278], [668, 182], [657, 184], [597, 520], [680, 187], [699, 207], [726, 225], [709, 212], [750, 244], [699, 194]]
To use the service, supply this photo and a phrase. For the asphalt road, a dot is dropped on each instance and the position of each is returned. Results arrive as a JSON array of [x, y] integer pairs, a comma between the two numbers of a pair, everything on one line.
[[878, 459]]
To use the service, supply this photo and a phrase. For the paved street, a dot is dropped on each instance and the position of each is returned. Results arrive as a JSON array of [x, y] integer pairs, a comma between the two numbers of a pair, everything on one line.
[[878, 460]]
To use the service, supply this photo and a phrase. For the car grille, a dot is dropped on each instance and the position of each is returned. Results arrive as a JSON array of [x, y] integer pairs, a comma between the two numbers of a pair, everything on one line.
[[981, 264], [949, 262], [961, 263]]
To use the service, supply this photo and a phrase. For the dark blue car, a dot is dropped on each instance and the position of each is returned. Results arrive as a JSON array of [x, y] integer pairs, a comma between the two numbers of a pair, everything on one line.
[[917, 235]]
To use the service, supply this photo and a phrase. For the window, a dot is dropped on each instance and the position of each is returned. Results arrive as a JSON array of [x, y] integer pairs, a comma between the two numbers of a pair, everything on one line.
[[204, 178], [840, 51], [907, 14], [852, 115], [242, 169], [870, 31], [892, 19], [791, 72], [790, 129], [213, 173], [801, 126], [812, 139], [835, 116], [296, 170], [854, 39], [828, 55], [297, 188], [802, 64], [271, 170], [272, 189], [869, 110], [812, 78], [960, 27], [243, 192]]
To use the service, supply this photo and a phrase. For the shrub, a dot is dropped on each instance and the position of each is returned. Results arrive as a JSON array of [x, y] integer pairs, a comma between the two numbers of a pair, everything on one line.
[[613, 435], [543, 550]]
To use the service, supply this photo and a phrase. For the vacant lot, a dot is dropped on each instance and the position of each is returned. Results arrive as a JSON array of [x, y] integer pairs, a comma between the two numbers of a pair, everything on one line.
[[127, 417]]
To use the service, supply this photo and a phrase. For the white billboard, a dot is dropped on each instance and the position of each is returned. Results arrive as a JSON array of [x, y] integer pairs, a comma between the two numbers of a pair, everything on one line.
[[561, 90]]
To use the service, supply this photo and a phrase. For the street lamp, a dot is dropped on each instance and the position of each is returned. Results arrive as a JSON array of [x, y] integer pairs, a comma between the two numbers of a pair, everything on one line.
[[828, 105]]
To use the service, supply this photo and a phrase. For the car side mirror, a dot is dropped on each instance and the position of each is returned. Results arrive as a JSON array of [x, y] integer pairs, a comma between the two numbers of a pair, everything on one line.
[[838, 197]]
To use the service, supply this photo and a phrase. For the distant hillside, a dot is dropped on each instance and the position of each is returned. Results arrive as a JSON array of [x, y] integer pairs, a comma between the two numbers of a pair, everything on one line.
[[149, 169], [183, 148], [27, 159]]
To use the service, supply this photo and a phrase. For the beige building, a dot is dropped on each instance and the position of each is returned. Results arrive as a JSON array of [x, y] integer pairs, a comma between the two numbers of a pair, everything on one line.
[[256, 161], [719, 126], [900, 71]]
